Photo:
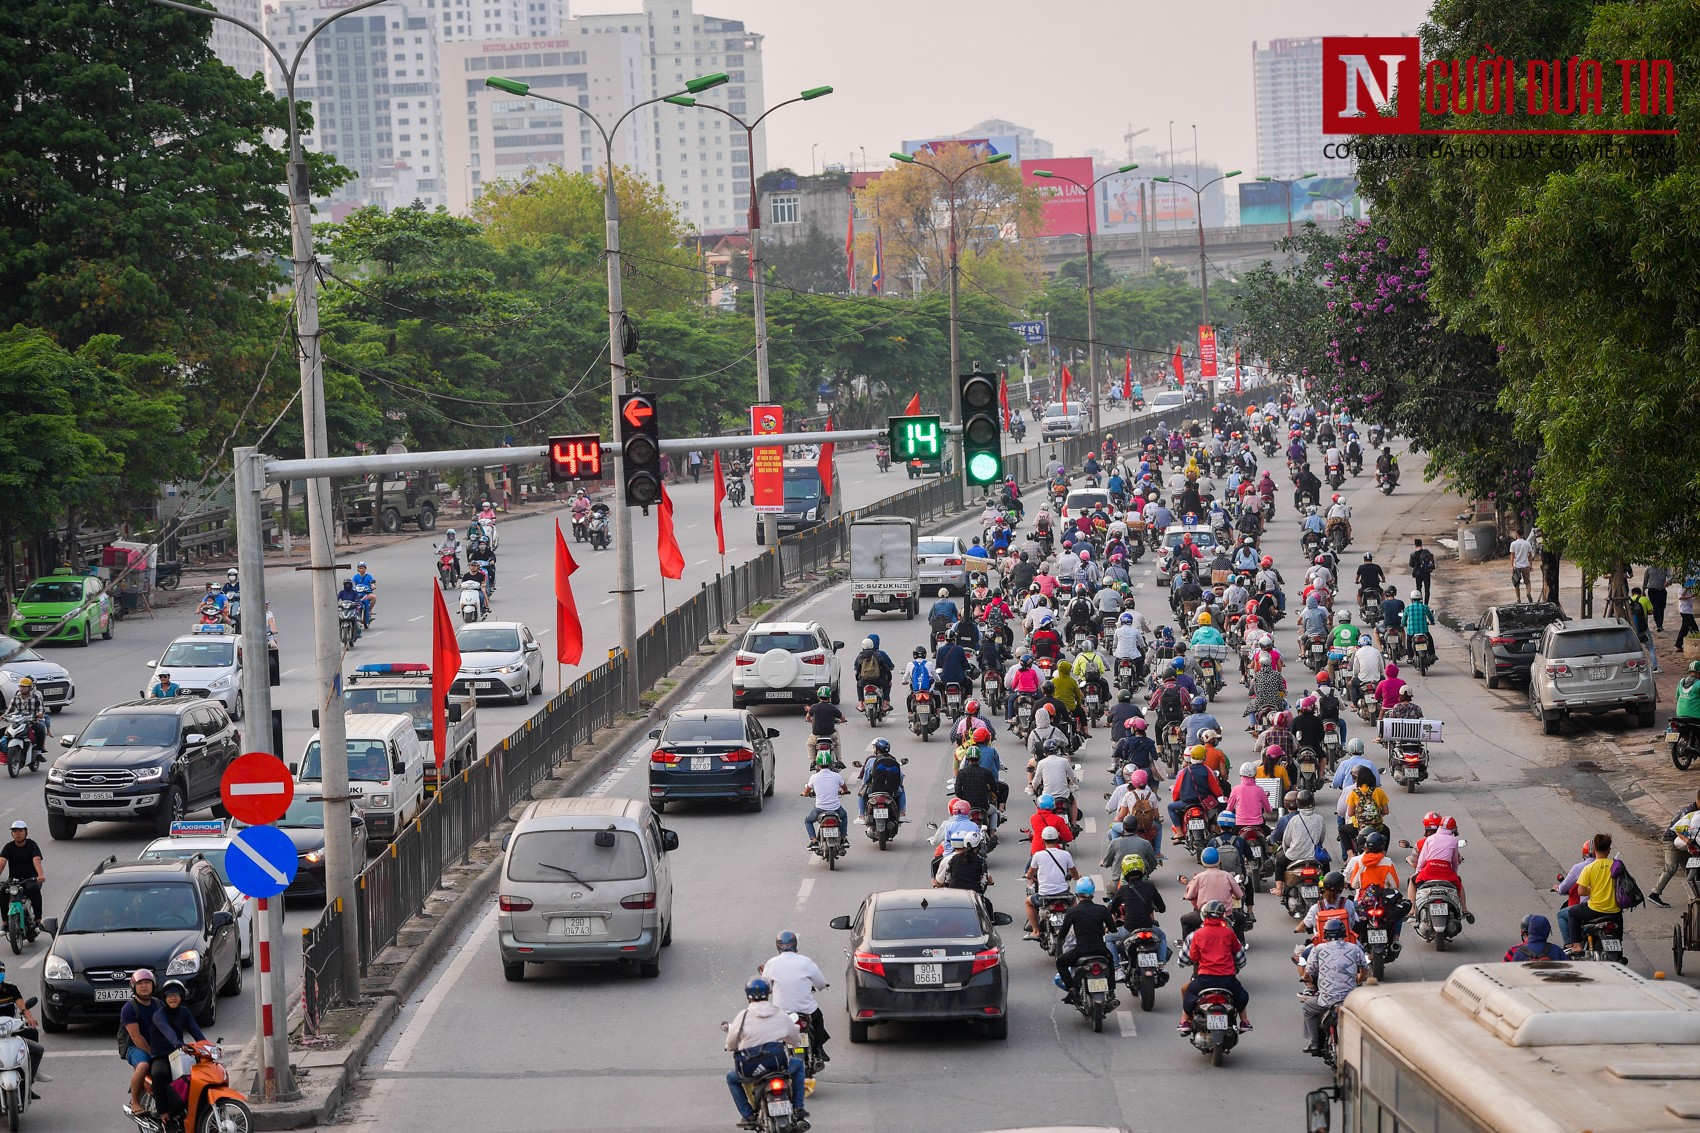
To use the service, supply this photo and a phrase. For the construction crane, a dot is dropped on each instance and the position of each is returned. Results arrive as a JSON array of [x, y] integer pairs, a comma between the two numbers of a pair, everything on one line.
[[1132, 134]]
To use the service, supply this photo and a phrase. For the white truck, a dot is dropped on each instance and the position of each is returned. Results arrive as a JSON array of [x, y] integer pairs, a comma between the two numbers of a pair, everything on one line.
[[884, 568], [386, 771], [405, 688]]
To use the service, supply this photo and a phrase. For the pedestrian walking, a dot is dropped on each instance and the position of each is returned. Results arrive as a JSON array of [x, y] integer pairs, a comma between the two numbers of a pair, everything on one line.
[[667, 470], [696, 466], [1640, 610], [1685, 607], [1422, 570], [1657, 580], [1522, 557]]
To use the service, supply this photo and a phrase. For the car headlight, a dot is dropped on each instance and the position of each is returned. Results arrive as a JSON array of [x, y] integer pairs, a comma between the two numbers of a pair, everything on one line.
[[378, 802], [313, 857], [185, 963], [56, 968], [55, 775], [507, 670], [149, 774], [223, 683], [811, 513]]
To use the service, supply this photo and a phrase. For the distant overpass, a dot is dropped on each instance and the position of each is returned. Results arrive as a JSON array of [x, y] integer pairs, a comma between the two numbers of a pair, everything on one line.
[[1135, 252]]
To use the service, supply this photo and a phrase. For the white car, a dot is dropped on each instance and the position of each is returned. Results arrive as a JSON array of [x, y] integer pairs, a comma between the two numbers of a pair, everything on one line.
[[207, 837], [1202, 536], [1168, 399], [205, 664], [499, 659], [51, 680], [784, 662], [942, 561], [1062, 422]]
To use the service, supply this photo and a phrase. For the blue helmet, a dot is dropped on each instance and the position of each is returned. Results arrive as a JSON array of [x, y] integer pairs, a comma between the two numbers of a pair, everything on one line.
[[1047, 802], [757, 989], [1199, 704], [1084, 887], [1210, 856], [786, 941]]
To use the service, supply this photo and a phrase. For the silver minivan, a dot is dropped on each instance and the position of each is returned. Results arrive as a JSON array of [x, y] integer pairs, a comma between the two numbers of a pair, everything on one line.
[[1591, 666], [585, 881]]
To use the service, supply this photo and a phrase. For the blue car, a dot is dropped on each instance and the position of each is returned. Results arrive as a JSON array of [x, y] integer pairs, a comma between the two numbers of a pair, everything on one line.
[[712, 753]]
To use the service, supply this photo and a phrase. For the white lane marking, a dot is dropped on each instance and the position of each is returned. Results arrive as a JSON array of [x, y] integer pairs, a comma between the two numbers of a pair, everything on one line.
[[420, 618], [286, 672], [1089, 825], [1124, 1019], [545, 632], [803, 892], [439, 993], [605, 601], [618, 771], [528, 577], [248, 852], [699, 562]]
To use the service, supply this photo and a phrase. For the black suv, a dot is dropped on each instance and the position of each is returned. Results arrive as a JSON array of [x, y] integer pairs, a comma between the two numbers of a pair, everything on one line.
[[149, 761], [169, 916]]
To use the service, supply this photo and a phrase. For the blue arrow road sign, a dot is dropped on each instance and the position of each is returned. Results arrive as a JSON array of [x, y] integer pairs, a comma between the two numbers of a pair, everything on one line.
[[261, 861], [1030, 331]]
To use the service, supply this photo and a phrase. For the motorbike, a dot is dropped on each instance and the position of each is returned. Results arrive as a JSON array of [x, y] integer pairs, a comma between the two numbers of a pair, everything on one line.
[[484, 529], [1215, 1024], [1336, 476], [1369, 605], [1210, 669], [991, 687], [214, 1105], [1385, 483], [1316, 652], [1376, 435], [1422, 651], [20, 752], [1355, 464], [813, 1058], [1126, 674], [16, 1077], [1330, 743], [769, 1095], [1310, 770], [597, 532], [873, 705], [1144, 969], [1301, 888], [1051, 911], [581, 525], [1089, 983], [1408, 764], [1438, 914], [1683, 736], [1378, 918], [168, 576], [21, 926], [829, 840], [448, 565], [1094, 704], [1603, 940], [1174, 739], [348, 622], [474, 607], [953, 700], [882, 457], [924, 716], [1196, 823], [1023, 715], [882, 821], [735, 490], [1393, 643]]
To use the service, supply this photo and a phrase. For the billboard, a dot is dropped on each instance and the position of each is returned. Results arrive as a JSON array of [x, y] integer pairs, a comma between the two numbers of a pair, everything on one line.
[[982, 147], [1119, 200], [767, 465], [1266, 202], [1065, 208]]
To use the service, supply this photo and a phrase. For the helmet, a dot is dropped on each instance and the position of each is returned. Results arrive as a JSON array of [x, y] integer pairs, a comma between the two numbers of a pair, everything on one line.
[[361, 565], [141, 974], [868, 643], [231, 573], [1345, 617], [960, 806], [1026, 660], [881, 745], [1431, 821], [1085, 555], [1085, 887], [1132, 864], [959, 840], [1334, 882], [1249, 770], [173, 987], [1199, 704], [1051, 834], [1127, 620], [1405, 693], [1274, 751], [943, 593], [1180, 667], [1307, 704], [1052, 746], [824, 692], [1376, 843], [1137, 724], [982, 735], [1355, 746], [1266, 561], [1227, 819], [1306, 799], [1451, 824], [786, 941], [26, 682], [1210, 856], [1322, 677], [1047, 802], [824, 759], [1214, 910], [971, 707], [450, 534], [1369, 556], [971, 838], [757, 990], [1209, 735], [1139, 777], [1416, 595], [920, 653], [1334, 928], [1204, 618], [1335, 498]]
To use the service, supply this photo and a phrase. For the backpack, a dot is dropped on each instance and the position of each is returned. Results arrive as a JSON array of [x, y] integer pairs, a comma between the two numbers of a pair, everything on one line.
[[1169, 703], [1625, 887], [1425, 560], [963, 871], [868, 668], [1142, 819], [1366, 812], [124, 1043]]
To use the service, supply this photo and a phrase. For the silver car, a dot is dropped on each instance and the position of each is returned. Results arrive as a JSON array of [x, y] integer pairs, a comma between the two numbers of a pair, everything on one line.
[[52, 681], [204, 664], [943, 561], [1591, 666], [1203, 537], [499, 659]]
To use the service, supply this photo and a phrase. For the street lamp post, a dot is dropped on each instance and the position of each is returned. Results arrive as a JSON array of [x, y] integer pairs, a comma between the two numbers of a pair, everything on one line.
[[1341, 201], [758, 285], [626, 587], [1203, 267], [1091, 298], [955, 271], [1287, 197]]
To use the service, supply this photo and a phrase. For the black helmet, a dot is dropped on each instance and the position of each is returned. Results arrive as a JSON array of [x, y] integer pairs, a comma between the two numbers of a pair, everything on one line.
[[1334, 882], [1334, 928], [920, 653], [786, 941], [170, 987], [1306, 799]]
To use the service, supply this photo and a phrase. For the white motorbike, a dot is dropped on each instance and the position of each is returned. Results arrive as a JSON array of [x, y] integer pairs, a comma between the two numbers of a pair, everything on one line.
[[473, 606], [20, 752], [16, 1077]]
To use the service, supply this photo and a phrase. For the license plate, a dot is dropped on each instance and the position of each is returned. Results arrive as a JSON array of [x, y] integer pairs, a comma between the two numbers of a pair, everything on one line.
[[830, 833], [1093, 701], [778, 1107], [882, 812], [94, 796], [1693, 863], [111, 994], [1612, 944], [569, 926], [1056, 920], [1438, 911], [485, 684], [1598, 672], [1216, 1022], [1098, 986], [1026, 713], [1422, 647], [872, 698], [1378, 936], [782, 694], [1148, 959], [1257, 851], [1195, 824], [1670, 737], [39, 627], [701, 762], [929, 973], [1307, 891]]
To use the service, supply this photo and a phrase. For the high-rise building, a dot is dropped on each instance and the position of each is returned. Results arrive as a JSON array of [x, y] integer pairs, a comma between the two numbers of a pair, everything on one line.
[[237, 47], [1030, 146], [372, 81], [700, 158], [490, 136], [1287, 78]]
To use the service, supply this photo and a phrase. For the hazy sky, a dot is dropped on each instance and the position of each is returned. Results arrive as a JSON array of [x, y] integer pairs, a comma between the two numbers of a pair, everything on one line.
[[1076, 71]]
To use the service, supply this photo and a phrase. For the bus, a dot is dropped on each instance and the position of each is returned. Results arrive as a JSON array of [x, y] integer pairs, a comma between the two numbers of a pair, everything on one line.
[[1542, 1047]]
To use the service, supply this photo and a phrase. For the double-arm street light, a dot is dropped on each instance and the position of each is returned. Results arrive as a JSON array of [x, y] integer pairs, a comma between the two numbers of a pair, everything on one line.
[[1287, 195], [1089, 192], [1203, 267], [955, 270], [1341, 201], [758, 285], [626, 587]]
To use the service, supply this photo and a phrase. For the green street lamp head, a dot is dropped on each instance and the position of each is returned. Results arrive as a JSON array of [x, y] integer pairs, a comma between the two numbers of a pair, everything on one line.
[[1314, 193], [1232, 173], [1263, 178], [1043, 173], [1128, 168], [815, 92], [508, 86], [707, 82], [905, 158], [998, 157], [1162, 179], [680, 100], [1307, 176]]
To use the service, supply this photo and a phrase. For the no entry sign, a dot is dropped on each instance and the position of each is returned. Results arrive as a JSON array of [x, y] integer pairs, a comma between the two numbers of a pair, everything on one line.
[[257, 788]]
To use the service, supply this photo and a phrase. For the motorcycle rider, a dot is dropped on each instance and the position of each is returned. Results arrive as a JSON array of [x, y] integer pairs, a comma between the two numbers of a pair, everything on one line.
[[135, 1020], [22, 858], [1021, 680], [1679, 839], [873, 667], [943, 614], [28, 701], [1050, 871], [1372, 869], [1536, 944], [1368, 667], [173, 1025], [1089, 923], [1387, 464], [1195, 785], [1135, 905], [1053, 776], [1217, 955], [1331, 971], [1437, 858], [760, 1039], [1306, 487], [1340, 515], [881, 774], [1198, 721], [163, 688], [1417, 617], [1091, 669], [792, 980], [977, 785], [824, 718], [827, 787], [918, 675], [581, 510], [1122, 713], [367, 587]]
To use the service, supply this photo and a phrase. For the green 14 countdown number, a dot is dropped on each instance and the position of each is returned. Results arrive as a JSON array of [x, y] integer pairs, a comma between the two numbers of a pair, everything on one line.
[[916, 438]]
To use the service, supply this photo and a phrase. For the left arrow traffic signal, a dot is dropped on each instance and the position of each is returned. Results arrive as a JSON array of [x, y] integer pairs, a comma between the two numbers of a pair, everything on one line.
[[640, 449]]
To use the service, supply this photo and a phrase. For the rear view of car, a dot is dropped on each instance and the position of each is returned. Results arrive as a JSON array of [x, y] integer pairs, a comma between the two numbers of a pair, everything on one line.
[[784, 662], [713, 753], [943, 562], [1503, 642], [1591, 667]]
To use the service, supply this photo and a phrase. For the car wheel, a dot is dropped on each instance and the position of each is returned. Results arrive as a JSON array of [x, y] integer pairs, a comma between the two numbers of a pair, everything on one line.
[[207, 1016], [1549, 724], [1644, 715], [649, 969], [236, 708], [769, 791], [427, 517], [391, 521], [1493, 677], [513, 973], [51, 1025], [88, 635], [659, 806], [233, 984], [173, 809], [60, 828], [1475, 669], [106, 634], [998, 1028], [667, 935], [753, 804], [537, 689], [835, 694], [858, 1032], [524, 696]]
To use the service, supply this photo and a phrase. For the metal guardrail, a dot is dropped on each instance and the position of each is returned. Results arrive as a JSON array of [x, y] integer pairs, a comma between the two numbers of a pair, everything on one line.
[[321, 955]]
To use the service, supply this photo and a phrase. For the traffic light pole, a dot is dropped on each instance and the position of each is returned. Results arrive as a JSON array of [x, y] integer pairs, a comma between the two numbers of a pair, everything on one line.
[[625, 585]]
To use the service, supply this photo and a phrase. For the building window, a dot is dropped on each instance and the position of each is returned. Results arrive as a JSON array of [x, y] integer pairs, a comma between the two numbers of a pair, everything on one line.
[[782, 209]]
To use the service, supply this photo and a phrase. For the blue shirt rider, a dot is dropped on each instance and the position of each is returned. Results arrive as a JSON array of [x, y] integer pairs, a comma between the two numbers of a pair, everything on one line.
[[1315, 522], [944, 609], [364, 585]]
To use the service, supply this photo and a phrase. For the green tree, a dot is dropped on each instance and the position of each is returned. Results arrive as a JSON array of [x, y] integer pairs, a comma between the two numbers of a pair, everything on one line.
[[814, 261], [46, 456]]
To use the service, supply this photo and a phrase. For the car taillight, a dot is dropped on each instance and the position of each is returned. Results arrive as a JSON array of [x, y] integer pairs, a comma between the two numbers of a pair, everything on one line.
[[986, 960], [638, 901], [813, 658], [743, 659], [870, 962], [953, 562], [664, 757], [1502, 640], [1558, 670], [513, 904], [742, 755], [1635, 664]]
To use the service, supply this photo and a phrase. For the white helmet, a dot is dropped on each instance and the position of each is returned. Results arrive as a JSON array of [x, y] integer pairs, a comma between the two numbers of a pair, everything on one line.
[[1416, 595], [867, 643], [1249, 770]]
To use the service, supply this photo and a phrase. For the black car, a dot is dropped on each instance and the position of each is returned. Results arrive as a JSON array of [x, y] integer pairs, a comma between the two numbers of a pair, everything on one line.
[[147, 761], [172, 917], [712, 753], [926, 955], [1502, 641], [304, 822]]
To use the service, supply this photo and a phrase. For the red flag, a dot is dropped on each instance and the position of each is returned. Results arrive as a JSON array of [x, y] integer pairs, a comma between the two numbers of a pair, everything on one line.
[[1068, 379], [666, 546], [1236, 371], [850, 248], [445, 663], [913, 409], [1003, 398], [569, 633], [1127, 381], [823, 463], [719, 495], [1180, 374]]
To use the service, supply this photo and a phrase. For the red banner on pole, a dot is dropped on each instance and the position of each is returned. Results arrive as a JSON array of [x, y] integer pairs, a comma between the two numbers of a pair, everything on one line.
[[1180, 374], [445, 665], [1067, 380], [1127, 381], [1003, 399], [1236, 370], [719, 497], [1206, 352], [666, 544], [569, 631], [767, 466]]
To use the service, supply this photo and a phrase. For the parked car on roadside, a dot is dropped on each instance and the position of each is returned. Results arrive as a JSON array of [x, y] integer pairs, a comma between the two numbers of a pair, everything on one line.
[[1591, 666], [64, 607], [1503, 640]]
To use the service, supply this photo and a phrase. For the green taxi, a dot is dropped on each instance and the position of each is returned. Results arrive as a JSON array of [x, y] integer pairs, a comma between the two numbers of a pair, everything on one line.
[[81, 601]]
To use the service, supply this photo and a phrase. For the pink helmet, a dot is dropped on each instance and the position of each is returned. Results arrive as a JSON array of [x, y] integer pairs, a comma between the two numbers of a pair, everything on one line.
[[1137, 724], [1139, 778], [1273, 751], [1085, 555], [960, 806]]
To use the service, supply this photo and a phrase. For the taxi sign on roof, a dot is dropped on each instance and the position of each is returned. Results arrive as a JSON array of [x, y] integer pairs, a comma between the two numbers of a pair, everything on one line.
[[197, 828]]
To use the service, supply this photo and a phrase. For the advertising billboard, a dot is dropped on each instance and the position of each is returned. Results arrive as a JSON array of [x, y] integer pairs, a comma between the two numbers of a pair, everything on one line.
[[1065, 208], [981, 147], [1265, 202], [767, 465], [1119, 200]]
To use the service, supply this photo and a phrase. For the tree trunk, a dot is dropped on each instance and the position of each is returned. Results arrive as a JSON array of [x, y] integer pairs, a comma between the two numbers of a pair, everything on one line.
[[1549, 575], [11, 571], [1617, 591], [287, 537]]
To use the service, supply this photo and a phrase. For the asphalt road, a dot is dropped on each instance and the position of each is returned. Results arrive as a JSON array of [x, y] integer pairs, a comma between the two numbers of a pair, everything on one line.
[[592, 1049]]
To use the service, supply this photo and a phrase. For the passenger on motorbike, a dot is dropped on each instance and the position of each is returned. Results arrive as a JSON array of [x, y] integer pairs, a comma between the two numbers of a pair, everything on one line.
[[1198, 721], [1089, 923], [1217, 955], [173, 1025], [12, 1004], [827, 787], [1021, 680], [28, 701], [1365, 808], [978, 783], [1091, 669], [1372, 869], [1437, 858], [1331, 971], [1051, 774], [1248, 801], [1333, 904], [1195, 785], [760, 1039], [1050, 871], [824, 718], [881, 774], [1536, 944], [1304, 834]]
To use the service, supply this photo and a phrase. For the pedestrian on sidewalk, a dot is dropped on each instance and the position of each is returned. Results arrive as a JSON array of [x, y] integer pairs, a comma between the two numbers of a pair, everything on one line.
[[1657, 580], [1685, 607], [1422, 570], [1678, 839], [667, 476], [1639, 610], [696, 466], [1522, 557]]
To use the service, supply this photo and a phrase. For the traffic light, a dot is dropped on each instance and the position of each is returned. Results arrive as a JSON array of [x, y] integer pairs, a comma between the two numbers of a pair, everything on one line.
[[640, 449], [575, 458], [915, 438], [982, 432]]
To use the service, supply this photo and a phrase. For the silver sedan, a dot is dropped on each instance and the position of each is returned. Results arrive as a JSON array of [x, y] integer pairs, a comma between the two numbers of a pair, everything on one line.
[[942, 561]]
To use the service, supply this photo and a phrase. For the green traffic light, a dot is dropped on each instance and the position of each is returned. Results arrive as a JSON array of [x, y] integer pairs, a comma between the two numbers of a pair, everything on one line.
[[984, 468]]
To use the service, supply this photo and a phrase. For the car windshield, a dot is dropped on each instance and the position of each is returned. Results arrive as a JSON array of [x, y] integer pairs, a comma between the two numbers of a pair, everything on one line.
[[567, 855], [936, 547], [54, 592], [1086, 499], [130, 729], [802, 487], [199, 655], [215, 857], [11, 649], [140, 906], [1201, 538], [366, 762], [488, 639], [705, 730], [1529, 617], [790, 642], [1056, 409], [1588, 642], [307, 814], [935, 923]]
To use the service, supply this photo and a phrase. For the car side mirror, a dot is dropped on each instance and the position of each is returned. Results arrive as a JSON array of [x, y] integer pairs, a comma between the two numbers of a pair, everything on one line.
[[837, 645], [904, 761], [50, 925], [669, 841], [1319, 1114], [456, 714], [397, 767], [531, 647], [1469, 627], [1001, 919], [773, 733], [294, 769], [67, 741], [222, 919], [655, 733], [194, 739], [506, 838], [315, 717], [151, 664], [842, 923]]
